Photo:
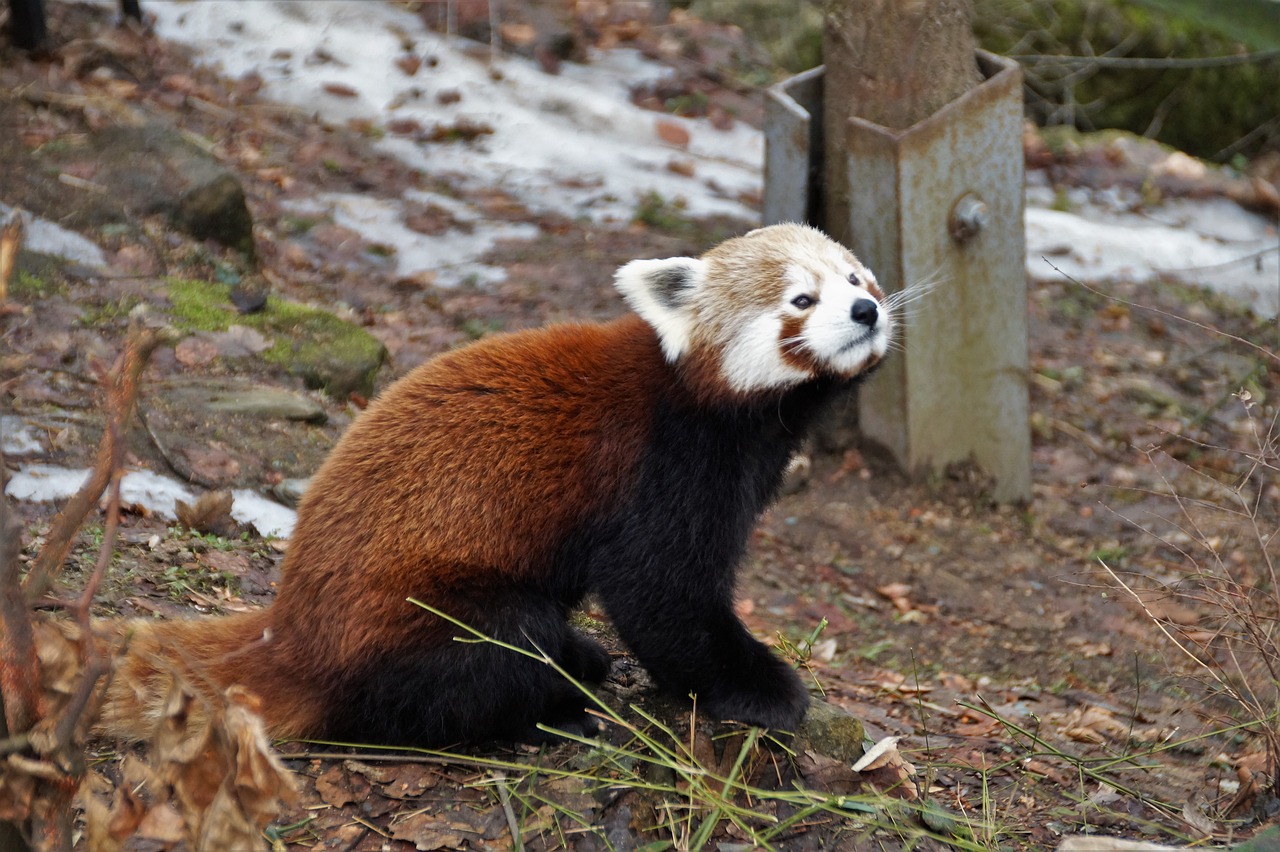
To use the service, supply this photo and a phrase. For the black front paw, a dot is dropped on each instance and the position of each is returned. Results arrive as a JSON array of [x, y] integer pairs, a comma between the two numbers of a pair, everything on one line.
[[770, 694]]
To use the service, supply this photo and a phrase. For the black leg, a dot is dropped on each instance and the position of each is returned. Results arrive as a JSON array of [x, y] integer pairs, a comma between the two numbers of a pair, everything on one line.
[[131, 9], [695, 645], [444, 692]]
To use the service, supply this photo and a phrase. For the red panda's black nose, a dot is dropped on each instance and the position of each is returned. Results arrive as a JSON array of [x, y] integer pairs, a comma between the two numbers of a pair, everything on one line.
[[865, 312]]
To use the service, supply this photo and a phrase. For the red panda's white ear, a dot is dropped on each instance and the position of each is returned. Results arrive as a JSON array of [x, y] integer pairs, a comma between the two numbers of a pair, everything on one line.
[[661, 292]]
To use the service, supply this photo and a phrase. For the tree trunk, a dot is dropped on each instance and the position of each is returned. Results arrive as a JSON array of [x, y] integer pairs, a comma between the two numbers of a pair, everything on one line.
[[891, 62]]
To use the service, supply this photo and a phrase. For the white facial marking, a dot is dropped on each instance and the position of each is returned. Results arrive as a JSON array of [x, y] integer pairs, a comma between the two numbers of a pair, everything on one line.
[[832, 335], [775, 307], [753, 360]]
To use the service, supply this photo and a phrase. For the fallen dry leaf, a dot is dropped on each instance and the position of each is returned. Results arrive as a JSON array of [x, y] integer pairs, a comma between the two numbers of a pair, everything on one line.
[[409, 64], [410, 781], [517, 34], [821, 772], [1197, 819], [682, 167], [898, 595], [331, 785], [210, 512], [429, 832], [1053, 773], [1091, 725], [261, 780], [878, 755], [884, 768], [671, 133], [341, 90], [127, 813], [96, 815], [163, 823]]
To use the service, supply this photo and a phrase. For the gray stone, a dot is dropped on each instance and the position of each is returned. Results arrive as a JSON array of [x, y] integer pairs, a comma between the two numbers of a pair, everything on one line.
[[290, 491], [216, 211], [339, 373], [154, 169], [266, 402], [242, 398]]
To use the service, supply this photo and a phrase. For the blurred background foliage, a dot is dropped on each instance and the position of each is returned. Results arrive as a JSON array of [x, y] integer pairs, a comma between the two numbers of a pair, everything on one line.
[[1077, 58]]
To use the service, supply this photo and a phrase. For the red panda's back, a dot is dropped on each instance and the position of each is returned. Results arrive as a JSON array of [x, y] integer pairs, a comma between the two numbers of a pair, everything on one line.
[[470, 471]]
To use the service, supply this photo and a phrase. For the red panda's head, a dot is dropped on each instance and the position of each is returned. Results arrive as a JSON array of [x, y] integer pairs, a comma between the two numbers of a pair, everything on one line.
[[769, 310]]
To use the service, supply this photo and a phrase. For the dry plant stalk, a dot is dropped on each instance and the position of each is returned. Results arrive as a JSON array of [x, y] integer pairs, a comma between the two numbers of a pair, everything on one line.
[[1240, 651], [1241, 656], [50, 694], [121, 390], [10, 243], [20, 691], [212, 780]]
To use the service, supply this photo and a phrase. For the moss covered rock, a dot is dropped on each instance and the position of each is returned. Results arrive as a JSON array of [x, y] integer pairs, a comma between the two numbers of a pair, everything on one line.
[[327, 352]]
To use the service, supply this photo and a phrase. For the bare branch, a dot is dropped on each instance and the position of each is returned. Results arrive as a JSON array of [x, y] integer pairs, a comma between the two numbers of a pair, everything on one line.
[[10, 242], [121, 391], [1266, 353], [1147, 62], [19, 666]]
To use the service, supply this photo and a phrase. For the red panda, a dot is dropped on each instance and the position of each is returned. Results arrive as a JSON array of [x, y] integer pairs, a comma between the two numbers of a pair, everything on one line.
[[503, 481]]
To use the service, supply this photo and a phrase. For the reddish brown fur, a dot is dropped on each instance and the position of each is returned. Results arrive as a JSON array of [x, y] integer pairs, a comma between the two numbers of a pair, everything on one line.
[[793, 353], [499, 484], [398, 509]]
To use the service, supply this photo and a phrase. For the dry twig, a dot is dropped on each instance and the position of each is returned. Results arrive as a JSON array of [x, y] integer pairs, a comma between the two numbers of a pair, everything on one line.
[[10, 242], [121, 390], [19, 668]]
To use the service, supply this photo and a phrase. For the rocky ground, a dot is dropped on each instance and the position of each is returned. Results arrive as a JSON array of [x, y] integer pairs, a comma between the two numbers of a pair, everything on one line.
[[1025, 655]]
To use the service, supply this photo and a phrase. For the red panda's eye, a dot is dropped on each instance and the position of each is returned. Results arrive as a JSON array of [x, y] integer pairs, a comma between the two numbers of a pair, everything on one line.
[[802, 302], [854, 279]]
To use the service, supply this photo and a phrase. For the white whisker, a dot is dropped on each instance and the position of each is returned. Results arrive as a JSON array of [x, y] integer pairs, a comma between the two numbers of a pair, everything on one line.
[[904, 304], [788, 343]]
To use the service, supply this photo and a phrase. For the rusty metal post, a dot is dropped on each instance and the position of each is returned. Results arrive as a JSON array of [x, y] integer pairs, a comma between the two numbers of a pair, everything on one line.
[[939, 201], [793, 151]]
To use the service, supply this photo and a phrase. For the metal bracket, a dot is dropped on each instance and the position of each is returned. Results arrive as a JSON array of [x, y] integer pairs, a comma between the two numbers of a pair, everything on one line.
[[942, 203]]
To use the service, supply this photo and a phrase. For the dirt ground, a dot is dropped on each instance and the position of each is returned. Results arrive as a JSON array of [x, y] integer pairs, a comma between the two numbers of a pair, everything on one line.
[[1034, 694]]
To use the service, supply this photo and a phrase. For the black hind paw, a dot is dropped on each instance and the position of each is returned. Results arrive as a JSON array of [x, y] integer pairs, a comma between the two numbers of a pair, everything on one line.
[[578, 725]]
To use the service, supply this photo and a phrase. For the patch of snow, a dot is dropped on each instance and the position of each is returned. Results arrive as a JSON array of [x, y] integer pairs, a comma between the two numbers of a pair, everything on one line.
[[449, 255], [1213, 243], [43, 236], [42, 483], [574, 144], [16, 437], [571, 143], [266, 516], [156, 493]]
